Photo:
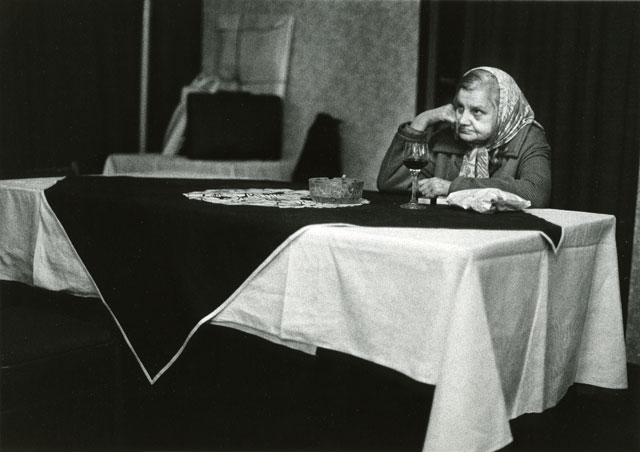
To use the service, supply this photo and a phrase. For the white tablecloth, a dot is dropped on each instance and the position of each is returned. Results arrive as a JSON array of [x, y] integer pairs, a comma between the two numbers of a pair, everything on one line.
[[34, 248], [494, 319]]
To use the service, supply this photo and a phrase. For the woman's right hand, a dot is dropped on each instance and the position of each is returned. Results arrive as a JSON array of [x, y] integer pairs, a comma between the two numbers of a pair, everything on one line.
[[445, 113]]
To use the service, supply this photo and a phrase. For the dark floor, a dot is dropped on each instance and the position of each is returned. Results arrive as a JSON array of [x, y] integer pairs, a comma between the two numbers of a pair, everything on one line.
[[259, 396], [233, 391], [586, 419], [273, 398]]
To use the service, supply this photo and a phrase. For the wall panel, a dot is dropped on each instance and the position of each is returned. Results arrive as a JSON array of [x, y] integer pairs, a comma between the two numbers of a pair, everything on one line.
[[353, 59]]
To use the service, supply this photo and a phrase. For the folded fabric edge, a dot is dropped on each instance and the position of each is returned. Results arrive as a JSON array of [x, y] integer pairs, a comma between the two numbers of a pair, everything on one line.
[[97, 289], [554, 247], [300, 346], [223, 305]]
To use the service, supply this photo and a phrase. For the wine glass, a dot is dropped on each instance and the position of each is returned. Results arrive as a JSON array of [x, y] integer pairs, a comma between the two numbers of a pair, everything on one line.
[[415, 157]]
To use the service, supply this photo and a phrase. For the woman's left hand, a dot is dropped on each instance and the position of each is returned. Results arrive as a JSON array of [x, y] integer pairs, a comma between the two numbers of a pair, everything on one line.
[[434, 186]]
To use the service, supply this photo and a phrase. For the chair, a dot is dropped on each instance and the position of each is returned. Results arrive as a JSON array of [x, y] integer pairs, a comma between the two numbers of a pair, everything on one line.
[[251, 52], [246, 54], [60, 372]]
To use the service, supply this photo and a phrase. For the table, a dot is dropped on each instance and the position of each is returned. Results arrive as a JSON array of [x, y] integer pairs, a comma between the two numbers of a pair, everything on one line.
[[497, 321]]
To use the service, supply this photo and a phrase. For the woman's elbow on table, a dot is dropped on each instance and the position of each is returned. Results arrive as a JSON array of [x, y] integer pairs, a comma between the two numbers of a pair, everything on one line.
[[541, 196], [534, 188]]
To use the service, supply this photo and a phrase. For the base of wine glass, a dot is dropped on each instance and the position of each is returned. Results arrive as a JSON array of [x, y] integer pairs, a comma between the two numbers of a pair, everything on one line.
[[413, 206]]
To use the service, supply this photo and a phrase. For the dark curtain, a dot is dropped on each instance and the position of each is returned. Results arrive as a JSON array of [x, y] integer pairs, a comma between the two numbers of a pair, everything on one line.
[[578, 64], [69, 81], [175, 49]]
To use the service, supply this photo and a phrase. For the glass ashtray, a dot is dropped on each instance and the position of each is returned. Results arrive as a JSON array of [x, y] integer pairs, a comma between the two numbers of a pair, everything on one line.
[[338, 190]]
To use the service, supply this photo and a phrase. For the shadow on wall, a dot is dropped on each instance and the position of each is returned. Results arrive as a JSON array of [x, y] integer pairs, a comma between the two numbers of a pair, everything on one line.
[[320, 156]]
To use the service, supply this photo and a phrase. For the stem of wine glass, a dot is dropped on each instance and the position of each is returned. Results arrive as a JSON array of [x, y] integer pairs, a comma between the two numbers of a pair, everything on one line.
[[414, 186]]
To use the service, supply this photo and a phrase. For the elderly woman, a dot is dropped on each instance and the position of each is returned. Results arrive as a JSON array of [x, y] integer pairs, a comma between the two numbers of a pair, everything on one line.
[[486, 139]]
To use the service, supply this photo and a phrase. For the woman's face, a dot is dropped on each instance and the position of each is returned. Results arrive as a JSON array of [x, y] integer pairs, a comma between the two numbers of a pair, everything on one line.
[[476, 115]]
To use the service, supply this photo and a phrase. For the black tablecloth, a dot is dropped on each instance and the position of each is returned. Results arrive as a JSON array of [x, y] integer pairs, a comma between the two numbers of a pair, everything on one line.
[[162, 262]]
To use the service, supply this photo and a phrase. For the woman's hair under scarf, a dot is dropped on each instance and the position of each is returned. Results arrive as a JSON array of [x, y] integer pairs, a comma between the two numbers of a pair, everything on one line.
[[514, 113]]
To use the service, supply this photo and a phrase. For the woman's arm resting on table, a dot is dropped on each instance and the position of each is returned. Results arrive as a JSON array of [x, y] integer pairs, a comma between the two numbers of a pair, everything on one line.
[[433, 187], [533, 181]]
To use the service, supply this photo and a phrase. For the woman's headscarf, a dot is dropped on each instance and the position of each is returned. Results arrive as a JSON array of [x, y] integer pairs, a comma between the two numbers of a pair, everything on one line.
[[514, 112]]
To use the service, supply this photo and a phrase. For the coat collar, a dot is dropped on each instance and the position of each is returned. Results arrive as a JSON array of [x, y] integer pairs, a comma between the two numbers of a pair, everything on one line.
[[512, 148]]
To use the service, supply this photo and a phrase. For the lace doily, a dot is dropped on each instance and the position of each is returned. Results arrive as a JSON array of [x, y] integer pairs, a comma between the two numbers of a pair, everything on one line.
[[283, 198]]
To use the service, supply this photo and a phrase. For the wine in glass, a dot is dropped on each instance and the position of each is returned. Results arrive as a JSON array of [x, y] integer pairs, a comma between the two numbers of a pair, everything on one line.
[[415, 157]]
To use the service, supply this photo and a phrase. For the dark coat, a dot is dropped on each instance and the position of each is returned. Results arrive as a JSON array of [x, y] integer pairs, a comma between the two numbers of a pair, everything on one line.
[[524, 167]]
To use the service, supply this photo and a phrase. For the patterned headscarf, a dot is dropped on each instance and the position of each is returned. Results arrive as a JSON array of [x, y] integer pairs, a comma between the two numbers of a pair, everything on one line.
[[514, 112]]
